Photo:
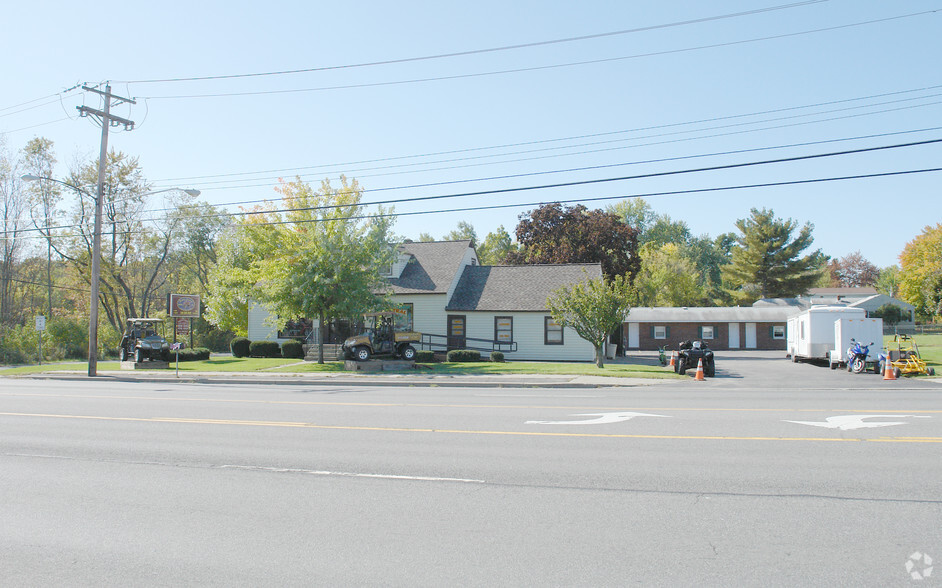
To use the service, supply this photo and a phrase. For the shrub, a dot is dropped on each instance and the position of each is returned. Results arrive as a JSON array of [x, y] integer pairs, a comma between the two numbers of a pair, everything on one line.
[[66, 338], [265, 349], [240, 347], [463, 355], [425, 356], [191, 354], [497, 356], [292, 350]]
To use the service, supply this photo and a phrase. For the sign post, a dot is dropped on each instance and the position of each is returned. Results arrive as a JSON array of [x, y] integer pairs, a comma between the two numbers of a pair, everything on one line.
[[40, 327]]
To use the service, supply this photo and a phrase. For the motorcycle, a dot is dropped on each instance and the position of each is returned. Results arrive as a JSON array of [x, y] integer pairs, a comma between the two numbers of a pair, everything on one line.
[[857, 356]]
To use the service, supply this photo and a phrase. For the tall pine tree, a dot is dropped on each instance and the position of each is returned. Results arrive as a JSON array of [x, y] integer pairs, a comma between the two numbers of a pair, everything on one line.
[[766, 260]]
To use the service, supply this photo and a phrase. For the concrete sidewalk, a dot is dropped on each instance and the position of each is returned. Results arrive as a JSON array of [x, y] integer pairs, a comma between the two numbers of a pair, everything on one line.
[[345, 379]]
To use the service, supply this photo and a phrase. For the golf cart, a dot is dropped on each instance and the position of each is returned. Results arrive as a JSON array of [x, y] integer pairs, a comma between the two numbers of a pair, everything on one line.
[[689, 356], [143, 339], [380, 338]]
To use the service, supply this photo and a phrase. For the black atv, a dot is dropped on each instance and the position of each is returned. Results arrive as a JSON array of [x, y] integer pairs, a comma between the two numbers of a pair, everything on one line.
[[689, 356]]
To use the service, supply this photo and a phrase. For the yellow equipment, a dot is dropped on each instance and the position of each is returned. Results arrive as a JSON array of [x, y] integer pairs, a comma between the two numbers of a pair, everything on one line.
[[905, 358]]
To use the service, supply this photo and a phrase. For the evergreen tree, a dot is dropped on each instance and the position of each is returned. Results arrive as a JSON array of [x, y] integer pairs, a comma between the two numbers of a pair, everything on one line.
[[766, 260]]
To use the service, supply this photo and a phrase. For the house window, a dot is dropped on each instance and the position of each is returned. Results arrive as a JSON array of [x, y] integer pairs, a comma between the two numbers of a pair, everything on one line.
[[402, 317], [386, 271], [778, 331], [660, 332], [504, 329], [706, 332], [552, 332]]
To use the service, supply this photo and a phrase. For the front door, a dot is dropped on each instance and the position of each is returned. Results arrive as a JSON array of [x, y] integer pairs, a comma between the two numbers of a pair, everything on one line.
[[750, 335], [734, 335], [456, 332]]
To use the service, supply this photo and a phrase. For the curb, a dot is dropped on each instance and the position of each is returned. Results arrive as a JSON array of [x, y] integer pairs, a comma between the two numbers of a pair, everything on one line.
[[282, 380]]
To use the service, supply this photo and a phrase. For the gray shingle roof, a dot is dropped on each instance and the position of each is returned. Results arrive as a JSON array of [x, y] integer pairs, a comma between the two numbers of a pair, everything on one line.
[[708, 314], [515, 287], [432, 268]]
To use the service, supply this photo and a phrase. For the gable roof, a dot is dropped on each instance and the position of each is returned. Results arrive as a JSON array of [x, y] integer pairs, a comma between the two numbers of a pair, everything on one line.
[[432, 268], [861, 291], [516, 287]]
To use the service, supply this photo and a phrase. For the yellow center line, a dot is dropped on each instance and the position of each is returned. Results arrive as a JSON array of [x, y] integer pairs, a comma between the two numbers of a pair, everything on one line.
[[466, 431], [453, 405]]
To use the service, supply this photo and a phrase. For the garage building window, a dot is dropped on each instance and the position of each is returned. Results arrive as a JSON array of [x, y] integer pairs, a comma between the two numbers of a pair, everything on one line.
[[778, 331], [659, 332], [706, 332]]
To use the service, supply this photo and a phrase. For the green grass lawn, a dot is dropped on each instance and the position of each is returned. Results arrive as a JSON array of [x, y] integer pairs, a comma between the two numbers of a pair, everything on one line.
[[294, 366]]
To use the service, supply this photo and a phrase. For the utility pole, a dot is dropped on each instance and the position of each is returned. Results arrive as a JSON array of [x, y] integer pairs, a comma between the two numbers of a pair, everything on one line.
[[106, 119]]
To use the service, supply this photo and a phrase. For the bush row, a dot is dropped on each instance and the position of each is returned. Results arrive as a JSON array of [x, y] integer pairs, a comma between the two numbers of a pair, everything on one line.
[[242, 347], [191, 354]]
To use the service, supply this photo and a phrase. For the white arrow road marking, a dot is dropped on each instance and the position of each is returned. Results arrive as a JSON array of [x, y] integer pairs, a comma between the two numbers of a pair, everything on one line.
[[849, 422], [604, 418]]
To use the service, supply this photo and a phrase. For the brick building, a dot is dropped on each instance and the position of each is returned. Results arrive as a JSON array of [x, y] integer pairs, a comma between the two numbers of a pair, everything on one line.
[[720, 327]]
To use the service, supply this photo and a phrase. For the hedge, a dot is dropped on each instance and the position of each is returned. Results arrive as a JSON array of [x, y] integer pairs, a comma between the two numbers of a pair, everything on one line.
[[425, 356], [497, 356], [463, 355], [191, 354], [265, 349], [240, 347], [292, 349]]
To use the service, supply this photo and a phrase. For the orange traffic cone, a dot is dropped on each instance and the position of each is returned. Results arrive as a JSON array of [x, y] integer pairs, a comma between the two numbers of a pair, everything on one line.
[[888, 371], [673, 354], [699, 376]]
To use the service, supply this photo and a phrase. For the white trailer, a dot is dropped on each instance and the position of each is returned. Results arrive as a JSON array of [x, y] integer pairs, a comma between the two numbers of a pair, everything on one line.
[[810, 334], [865, 331]]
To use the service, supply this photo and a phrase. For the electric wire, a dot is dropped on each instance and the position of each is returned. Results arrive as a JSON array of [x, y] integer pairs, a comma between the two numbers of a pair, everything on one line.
[[593, 181], [572, 200], [533, 68], [557, 139], [481, 51]]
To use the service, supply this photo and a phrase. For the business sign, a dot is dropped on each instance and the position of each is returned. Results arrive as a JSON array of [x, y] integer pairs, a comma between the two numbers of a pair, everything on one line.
[[182, 326], [184, 305]]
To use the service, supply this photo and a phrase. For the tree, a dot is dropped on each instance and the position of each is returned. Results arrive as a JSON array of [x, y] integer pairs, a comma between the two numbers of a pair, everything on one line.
[[319, 259], [636, 213], [425, 238], [463, 231], [664, 230], [766, 261], [888, 281], [853, 271], [593, 309], [13, 205], [39, 160], [134, 247], [890, 313], [496, 246], [920, 277], [552, 234], [668, 277]]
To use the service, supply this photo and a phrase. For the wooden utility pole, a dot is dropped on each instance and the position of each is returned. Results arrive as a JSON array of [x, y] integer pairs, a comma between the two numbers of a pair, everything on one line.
[[106, 119]]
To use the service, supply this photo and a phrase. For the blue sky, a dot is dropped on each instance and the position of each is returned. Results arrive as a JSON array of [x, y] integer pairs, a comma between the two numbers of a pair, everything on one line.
[[636, 103]]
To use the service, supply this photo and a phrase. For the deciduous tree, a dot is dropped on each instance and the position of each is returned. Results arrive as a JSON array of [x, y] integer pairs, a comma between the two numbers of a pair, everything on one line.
[[320, 259], [920, 279], [668, 277], [853, 270], [553, 234], [496, 246], [593, 309]]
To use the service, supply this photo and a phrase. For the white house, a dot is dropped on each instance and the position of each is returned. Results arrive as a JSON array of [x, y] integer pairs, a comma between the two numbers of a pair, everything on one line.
[[444, 293]]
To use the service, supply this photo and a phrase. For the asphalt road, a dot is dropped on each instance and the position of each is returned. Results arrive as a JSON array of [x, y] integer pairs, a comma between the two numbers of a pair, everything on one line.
[[740, 479]]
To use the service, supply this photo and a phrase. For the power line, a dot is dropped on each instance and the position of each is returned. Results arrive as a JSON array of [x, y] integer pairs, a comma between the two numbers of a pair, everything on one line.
[[560, 139], [591, 167], [605, 198], [480, 51], [580, 182], [83, 290], [534, 68]]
